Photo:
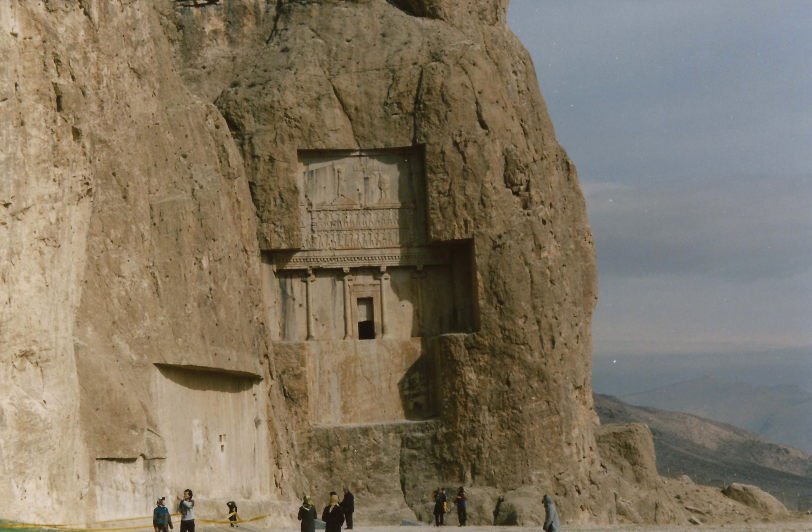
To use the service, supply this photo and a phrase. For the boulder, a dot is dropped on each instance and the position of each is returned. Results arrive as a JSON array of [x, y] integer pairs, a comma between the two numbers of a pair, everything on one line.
[[630, 449], [755, 498]]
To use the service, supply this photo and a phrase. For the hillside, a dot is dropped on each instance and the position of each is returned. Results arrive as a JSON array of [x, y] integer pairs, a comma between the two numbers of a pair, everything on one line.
[[714, 453], [778, 413]]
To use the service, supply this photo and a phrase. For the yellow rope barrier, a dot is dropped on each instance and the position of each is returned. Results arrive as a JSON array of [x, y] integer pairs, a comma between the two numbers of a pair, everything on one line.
[[78, 528]]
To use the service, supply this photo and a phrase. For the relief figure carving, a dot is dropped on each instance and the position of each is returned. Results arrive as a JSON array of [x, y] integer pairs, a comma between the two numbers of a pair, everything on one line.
[[383, 187], [360, 200]]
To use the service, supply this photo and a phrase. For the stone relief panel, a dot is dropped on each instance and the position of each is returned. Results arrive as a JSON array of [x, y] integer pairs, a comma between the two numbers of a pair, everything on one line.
[[362, 199]]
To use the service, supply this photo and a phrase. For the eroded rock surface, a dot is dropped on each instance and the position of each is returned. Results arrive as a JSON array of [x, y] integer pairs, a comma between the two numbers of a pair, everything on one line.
[[368, 264], [129, 264], [755, 498], [449, 79]]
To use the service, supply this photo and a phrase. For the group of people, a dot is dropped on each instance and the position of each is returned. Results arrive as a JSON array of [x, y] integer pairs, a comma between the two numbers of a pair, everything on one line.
[[162, 518], [441, 506], [551, 521], [334, 515]]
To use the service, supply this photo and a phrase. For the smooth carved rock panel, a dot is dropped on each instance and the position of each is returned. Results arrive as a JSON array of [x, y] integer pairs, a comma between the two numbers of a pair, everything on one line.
[[367, 382], [362, 200], [216, 439]]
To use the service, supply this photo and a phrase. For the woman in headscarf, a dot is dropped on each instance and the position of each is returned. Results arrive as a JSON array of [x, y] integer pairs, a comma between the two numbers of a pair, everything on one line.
[[333, 515], [551, 522], [307, 515]]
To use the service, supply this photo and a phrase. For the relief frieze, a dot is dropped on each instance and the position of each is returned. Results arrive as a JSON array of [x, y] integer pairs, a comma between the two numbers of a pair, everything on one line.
[[362, 200]]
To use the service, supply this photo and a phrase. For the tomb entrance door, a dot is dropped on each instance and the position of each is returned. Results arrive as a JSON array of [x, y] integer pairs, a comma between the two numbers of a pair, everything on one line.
[[366, 310]]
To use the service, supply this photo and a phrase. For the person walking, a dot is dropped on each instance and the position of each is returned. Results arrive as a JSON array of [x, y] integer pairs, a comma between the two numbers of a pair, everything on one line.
[[161, 518], [348, 506], [307, 515], [462, 506], [440, 501], [332, 515], [551, 522], [186, 506], [232, 513]]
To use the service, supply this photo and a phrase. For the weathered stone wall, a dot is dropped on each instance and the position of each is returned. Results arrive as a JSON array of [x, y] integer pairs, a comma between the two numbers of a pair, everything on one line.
[[450, 77], [134, 215], [128, 241], [46, 193]]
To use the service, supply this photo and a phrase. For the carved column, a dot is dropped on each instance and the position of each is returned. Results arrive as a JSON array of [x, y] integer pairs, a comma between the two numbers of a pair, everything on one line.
[[384, 289], [417, 278], [348, 325], [309, 303]]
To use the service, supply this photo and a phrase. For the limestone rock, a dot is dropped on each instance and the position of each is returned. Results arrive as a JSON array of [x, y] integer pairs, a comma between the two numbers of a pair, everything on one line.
[[629, 448], [134, 350], [448, 81], [368, 264], [627, 451], [755, 498]]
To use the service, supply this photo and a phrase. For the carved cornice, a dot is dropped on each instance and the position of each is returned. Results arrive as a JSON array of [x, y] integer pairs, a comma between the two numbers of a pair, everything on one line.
[[352, 258]]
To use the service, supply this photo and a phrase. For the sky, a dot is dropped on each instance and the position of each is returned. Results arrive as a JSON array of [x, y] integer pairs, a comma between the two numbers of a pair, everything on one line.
[[690, 123]]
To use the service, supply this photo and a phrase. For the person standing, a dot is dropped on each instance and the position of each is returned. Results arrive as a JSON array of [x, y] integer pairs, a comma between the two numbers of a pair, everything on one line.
[[332, 515], [462, 506], [186, 506], [307, 515], [161, 518], [439, 506], [551, 522], [348, 506]]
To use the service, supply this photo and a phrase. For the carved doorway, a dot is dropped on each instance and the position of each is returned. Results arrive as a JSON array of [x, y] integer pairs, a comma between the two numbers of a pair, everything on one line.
[[366, 310]]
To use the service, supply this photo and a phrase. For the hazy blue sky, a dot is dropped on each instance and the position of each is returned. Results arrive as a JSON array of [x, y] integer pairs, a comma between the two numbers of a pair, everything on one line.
[[690, 123]]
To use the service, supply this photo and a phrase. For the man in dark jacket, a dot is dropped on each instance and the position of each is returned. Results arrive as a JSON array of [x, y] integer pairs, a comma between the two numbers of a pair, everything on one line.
[[348, 506], [307, 515], [439, 506], [332, 515], [462, 506]]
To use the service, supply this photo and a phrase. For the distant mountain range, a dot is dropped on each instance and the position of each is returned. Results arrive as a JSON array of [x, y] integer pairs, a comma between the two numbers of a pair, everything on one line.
[[715, 454], [768, 392], [781, 413]]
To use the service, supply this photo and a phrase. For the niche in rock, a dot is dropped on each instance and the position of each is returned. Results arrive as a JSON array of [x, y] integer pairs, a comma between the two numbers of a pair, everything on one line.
[[367, 285], [214, 431], [363, 217]]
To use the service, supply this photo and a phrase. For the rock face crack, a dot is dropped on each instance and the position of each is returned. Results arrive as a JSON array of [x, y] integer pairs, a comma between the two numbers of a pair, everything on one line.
[[416, 105], [341, 103], [275, 26]]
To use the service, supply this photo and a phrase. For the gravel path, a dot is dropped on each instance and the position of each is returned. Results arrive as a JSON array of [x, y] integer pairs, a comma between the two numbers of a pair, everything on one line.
[[789, 526]]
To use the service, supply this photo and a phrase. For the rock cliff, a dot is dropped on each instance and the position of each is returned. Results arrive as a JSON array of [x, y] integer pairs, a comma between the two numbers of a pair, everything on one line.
[[128, 246], [261, 248], [450, 78]]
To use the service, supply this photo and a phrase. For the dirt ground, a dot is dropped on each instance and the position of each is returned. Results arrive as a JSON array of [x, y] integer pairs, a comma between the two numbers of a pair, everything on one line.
[[788, 526]]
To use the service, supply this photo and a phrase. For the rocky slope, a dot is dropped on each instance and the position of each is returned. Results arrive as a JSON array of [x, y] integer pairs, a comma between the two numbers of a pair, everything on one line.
[[716, 454], [777, 412]]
